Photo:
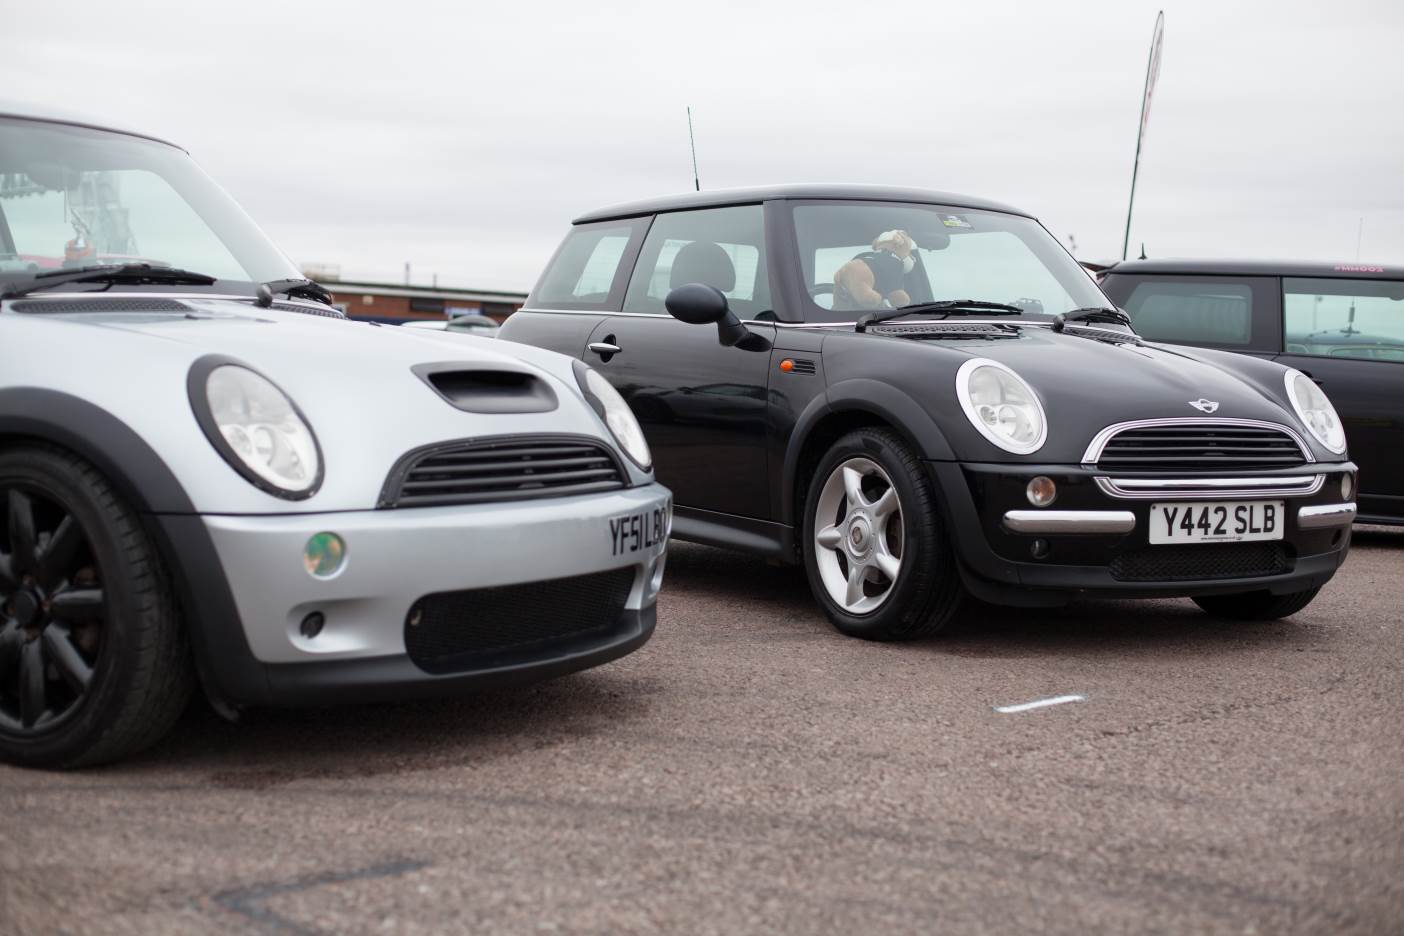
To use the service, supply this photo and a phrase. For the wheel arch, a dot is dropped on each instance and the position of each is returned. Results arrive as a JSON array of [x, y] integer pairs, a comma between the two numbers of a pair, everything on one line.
[[849, 405]]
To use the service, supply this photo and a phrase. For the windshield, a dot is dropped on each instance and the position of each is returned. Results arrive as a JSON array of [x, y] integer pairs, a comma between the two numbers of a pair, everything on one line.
[[73, 197], [863, 256]]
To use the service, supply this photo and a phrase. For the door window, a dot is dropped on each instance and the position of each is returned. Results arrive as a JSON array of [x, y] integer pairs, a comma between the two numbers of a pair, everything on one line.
[[1362, 319], [720, 247], [1198, 312]]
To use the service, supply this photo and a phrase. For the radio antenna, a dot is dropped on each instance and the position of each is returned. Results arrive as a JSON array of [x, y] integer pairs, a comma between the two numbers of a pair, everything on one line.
[[692, 141]]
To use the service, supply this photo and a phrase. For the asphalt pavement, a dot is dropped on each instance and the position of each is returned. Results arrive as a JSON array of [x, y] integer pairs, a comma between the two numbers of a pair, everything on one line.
[[752, 770]]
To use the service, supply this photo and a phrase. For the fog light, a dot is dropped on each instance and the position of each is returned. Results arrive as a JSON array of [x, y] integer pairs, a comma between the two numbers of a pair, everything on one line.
[[324, 555], [312, 625], [1347, 486], [1040, 549], [1041, 491]]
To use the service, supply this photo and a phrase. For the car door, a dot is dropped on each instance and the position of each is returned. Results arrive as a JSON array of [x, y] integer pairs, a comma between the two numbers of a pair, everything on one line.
[[1348, 335], [703, 405]]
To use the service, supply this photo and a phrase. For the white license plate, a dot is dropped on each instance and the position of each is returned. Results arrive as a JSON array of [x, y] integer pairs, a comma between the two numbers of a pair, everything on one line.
[[1216, 521]]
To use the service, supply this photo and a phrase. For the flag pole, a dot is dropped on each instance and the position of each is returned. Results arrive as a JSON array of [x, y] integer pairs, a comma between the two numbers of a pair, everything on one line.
[[1152, 70]]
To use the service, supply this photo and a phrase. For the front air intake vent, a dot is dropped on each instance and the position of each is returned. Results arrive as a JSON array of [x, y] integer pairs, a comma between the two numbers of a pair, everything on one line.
[[508, 468], [1200, 446], [113, 304], [1201, 562], [488, 391]]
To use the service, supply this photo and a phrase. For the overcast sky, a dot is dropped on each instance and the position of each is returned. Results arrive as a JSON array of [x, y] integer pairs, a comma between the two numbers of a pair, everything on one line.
[[464, 137]]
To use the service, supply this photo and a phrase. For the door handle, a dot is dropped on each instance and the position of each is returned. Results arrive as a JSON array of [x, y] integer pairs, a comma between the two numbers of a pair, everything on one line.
[[603, 347]]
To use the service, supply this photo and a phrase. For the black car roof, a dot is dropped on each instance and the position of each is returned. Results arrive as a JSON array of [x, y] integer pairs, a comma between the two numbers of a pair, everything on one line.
[[1216, 267], [751, 196]]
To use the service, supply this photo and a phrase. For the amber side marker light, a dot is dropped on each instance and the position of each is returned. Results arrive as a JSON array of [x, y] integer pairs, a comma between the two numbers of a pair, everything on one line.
[[787, 365]]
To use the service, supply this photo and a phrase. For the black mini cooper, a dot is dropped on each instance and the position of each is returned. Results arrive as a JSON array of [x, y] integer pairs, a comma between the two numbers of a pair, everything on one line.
[[922, 396]]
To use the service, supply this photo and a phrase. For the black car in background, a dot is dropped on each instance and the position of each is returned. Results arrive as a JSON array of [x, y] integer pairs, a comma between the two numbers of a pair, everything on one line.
[[1340, 324], [920, 396]]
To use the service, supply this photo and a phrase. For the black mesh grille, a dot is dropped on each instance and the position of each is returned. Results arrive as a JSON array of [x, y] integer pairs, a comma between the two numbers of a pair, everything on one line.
[[113, 304], [455, 631], [1202, 447], [1208, 561], [942, 330], [516, 468]]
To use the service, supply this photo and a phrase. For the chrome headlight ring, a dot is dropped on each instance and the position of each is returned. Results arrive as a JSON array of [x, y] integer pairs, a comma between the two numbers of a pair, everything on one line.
[[1314, 410], [1002, 406], [615, 414]]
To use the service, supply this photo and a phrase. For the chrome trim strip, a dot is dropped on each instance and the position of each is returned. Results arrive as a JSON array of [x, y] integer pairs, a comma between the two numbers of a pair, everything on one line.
[[1190, 488], [1069, 521], [1324, 516], [1100, 440]]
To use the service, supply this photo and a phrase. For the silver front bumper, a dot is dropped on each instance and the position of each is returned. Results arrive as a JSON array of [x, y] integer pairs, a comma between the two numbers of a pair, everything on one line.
[[395, 557], [1325, 516], [1069, 521]]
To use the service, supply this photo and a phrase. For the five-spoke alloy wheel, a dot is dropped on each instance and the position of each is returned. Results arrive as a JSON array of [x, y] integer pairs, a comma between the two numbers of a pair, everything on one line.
[[94, 663], [875, 549]]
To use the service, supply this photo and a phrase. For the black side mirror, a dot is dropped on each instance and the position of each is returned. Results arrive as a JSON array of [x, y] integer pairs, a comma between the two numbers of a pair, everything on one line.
[[698, 304]]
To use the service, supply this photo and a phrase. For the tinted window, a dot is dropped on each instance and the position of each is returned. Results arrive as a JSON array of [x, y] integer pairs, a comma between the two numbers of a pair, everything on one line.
[[721, 247], [1344, 318], [587, 269], [1188, 312]]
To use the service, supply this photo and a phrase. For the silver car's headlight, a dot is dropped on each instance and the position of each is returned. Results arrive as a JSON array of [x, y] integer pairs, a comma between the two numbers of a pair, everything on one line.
[[1315, 411], [1000, 404], [256, 428], [610, 406]]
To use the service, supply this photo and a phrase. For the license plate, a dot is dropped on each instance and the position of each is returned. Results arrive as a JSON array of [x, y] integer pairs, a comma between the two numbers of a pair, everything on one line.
[[631, 533], [1216, 522]]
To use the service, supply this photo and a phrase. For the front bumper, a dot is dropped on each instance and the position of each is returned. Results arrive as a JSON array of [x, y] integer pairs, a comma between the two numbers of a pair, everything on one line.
[[1012, 553], [395, 560]]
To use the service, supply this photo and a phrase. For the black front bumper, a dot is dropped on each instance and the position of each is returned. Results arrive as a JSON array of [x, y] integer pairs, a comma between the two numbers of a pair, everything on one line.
[[999, 565]]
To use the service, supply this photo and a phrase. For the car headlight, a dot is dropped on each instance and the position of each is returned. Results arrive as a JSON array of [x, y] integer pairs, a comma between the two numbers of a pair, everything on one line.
[[1315, 411], [610, 406], [1001, 405], [256, 428]]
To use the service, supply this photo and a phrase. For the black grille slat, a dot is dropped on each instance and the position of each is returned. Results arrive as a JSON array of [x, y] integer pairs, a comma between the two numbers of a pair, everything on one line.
[[1201, 447], [1201, 562], [455, 631], [502, 470]]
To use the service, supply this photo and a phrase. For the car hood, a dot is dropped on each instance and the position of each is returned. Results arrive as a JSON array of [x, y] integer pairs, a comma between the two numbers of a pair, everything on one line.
[[355, 383], [1087, 384]]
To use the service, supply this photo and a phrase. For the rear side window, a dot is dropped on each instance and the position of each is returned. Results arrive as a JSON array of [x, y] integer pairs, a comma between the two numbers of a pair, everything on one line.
[[589, 268], [1217, 312], [721, 247], [1362, 319]]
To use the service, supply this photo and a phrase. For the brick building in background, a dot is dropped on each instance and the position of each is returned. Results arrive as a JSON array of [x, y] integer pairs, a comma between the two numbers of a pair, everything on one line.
[[388, 302]]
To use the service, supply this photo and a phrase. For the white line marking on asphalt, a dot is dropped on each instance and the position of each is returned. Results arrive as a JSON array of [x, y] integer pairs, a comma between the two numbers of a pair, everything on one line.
[[1038, 703]]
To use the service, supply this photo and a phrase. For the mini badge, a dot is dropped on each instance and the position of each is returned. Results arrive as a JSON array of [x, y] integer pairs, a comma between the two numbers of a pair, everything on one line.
[[1203, 405]]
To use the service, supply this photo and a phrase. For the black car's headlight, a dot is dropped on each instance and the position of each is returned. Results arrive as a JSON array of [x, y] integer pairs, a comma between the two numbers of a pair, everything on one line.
[[1000, 404], [1315, 411], [610, 406], [256, 427]]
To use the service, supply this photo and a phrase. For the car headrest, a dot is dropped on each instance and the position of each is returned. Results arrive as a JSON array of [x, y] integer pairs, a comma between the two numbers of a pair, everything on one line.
[[703, 262]]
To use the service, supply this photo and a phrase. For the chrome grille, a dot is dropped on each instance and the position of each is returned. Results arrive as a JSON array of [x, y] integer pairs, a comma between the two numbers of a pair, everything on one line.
[[502, 469], [1195, 445]]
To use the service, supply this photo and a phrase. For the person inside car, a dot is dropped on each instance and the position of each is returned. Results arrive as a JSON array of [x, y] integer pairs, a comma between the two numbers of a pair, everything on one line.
[[874, 278]]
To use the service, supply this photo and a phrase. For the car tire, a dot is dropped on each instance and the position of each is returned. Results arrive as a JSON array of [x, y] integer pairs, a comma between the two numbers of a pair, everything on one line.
[[94, 661], [926, 592], [1256, 605]]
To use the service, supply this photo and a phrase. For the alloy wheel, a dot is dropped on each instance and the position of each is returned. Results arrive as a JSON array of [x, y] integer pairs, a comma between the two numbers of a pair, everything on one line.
[[858, 535], [53, 611]]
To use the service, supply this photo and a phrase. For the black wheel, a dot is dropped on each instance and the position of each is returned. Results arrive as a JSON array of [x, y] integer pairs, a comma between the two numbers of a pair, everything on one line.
[[94, 664], [878, 558], [1256, 605]]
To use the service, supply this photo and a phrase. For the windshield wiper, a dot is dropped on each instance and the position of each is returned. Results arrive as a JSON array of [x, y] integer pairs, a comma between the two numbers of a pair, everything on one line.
[[295, 288], [1092, 314], [138, 273], [948, 306]]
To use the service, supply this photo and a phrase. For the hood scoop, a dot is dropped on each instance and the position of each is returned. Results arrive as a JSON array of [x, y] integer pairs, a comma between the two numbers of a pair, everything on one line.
[[490, 391], [946, 330], [106, 304]]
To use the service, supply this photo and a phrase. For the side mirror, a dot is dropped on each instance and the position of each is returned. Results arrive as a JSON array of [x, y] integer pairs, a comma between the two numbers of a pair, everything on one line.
[[698, 304]]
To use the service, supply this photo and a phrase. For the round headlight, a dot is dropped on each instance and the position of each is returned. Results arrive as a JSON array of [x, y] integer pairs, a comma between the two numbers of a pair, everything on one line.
[[1315, 411], [257, 429], [616, 414], [1001, 405]]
